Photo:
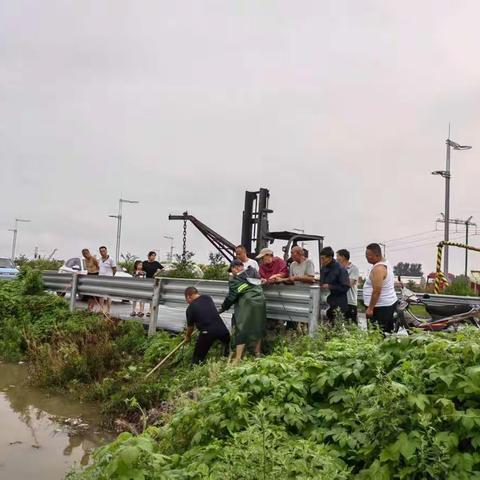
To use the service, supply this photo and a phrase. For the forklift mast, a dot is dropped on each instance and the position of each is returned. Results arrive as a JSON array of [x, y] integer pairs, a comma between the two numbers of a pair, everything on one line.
[[255, 227]]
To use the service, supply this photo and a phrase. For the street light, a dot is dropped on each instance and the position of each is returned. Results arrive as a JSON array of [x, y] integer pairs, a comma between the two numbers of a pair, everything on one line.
[[15, 231], [447, 175], [119, 225], [171, 246]]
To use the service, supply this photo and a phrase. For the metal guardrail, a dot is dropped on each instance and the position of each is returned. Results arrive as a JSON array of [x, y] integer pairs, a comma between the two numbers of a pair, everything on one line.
[[298, 303], [284, 302], [57, 282], [129, 288]]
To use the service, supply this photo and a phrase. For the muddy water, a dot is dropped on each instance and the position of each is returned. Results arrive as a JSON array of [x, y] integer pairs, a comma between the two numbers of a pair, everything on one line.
[[43, 435]]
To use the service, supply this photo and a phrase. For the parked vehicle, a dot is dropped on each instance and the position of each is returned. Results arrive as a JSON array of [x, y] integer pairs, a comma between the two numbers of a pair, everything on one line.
[[77, 265], [443, 317], [8, 270]]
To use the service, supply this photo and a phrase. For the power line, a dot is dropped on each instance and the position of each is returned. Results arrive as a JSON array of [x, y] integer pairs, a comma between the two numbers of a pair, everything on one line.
[[401, 248], [399, 238]]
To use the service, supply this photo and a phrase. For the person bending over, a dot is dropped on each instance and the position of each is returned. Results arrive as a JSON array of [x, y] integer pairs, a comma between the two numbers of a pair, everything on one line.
[[202, 313]]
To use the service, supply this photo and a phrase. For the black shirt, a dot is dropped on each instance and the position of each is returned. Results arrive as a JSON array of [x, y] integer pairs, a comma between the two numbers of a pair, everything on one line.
[[203, 313], [150, 268], [338, 282]]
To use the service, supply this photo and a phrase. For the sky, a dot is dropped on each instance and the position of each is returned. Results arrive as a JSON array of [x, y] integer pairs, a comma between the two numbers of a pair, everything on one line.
[[340, 108]]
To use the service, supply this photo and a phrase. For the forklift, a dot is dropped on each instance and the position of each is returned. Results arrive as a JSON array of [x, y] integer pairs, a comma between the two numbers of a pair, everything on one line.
[[255, 233]]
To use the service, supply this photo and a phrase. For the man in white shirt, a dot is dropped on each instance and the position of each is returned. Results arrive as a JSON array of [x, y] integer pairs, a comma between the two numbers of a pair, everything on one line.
[[379, 294], [343, 258], [241, 254], [107, 267], [302, 268]]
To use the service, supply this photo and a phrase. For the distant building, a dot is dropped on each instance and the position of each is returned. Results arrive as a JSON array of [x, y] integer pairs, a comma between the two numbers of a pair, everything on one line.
[[417, 280]]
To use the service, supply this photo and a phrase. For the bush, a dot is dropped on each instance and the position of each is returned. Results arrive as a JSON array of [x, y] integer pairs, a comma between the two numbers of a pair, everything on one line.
[[183, 268], [217, 269], [460, 286], [347, 404], [40, 264]]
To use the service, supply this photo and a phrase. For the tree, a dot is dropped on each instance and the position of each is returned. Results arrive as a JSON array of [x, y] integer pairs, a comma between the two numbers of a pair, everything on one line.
[[217, 268]]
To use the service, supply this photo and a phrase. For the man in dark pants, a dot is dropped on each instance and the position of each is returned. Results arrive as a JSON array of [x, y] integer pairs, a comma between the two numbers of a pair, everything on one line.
[[379, 294], [203, 314], [334, 277]]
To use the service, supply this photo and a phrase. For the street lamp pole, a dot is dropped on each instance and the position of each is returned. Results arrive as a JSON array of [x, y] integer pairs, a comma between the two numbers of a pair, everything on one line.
[[168, 237], [119, 217], [446, 174], [15, 232]]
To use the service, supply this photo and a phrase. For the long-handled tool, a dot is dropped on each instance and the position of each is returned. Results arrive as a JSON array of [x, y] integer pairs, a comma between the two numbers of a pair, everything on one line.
[[159, 364]]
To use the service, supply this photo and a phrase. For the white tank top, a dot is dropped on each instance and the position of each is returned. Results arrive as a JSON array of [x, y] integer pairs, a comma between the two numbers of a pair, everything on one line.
[[387, 296]]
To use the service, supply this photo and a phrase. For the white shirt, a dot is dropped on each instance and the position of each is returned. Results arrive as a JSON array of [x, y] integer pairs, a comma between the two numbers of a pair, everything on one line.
[[388, 295], [250, 263], [106, 266], [353, 274], [306, 268]]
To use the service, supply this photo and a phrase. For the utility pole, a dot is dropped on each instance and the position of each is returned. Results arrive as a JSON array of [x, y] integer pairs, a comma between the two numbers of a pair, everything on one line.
[[15, 232], [446, 174], [168, 237], [119, 225], [457, 221]]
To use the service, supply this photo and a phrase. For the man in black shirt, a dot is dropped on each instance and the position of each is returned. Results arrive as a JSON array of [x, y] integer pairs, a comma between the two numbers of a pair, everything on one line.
[[151, 266], [202, 313], [334, 277]]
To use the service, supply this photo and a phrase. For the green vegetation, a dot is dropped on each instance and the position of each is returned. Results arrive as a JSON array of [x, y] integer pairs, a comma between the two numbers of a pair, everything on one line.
[[460, 286], [40, 264], [183, 267], [217, 269], [347, 404]]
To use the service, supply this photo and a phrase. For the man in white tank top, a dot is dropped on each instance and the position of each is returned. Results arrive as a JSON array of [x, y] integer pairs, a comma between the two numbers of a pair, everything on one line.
[[379, 289]]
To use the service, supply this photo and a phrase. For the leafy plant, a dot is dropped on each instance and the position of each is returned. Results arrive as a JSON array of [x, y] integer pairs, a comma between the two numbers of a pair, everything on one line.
[[183, 267], [460, 286], [217, 269]]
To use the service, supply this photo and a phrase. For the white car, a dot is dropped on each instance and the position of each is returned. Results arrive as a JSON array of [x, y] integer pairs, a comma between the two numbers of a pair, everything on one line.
[[77, 264], [8, 270]]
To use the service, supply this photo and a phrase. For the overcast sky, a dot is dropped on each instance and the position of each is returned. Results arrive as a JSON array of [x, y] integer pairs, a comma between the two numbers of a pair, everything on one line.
[[340, 108]]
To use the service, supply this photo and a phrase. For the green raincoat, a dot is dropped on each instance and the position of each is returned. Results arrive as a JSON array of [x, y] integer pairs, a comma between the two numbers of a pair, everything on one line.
[[250, 314]]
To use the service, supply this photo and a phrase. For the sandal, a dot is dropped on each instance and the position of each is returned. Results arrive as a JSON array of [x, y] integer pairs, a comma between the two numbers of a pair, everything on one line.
[[133, 314], [140, 314]]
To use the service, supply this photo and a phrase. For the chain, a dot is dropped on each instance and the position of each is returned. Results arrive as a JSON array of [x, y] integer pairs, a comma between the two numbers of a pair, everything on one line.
[[184, 253]]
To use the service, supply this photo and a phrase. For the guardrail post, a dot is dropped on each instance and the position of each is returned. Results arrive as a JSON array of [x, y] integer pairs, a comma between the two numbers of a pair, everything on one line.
[[152, 327], [73, 292], [314, 310]]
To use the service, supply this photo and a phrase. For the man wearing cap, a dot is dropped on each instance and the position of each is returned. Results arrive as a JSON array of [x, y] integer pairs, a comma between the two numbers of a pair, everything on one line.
[[334, 277], [246, 293], [272, 269]]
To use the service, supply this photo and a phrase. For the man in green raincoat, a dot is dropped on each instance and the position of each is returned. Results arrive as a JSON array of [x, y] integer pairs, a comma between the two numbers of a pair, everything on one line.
[[246, 293]]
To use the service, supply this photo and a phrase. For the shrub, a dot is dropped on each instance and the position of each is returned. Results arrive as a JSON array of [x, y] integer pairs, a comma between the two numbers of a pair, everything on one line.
[[217, 269], [460, 286]]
